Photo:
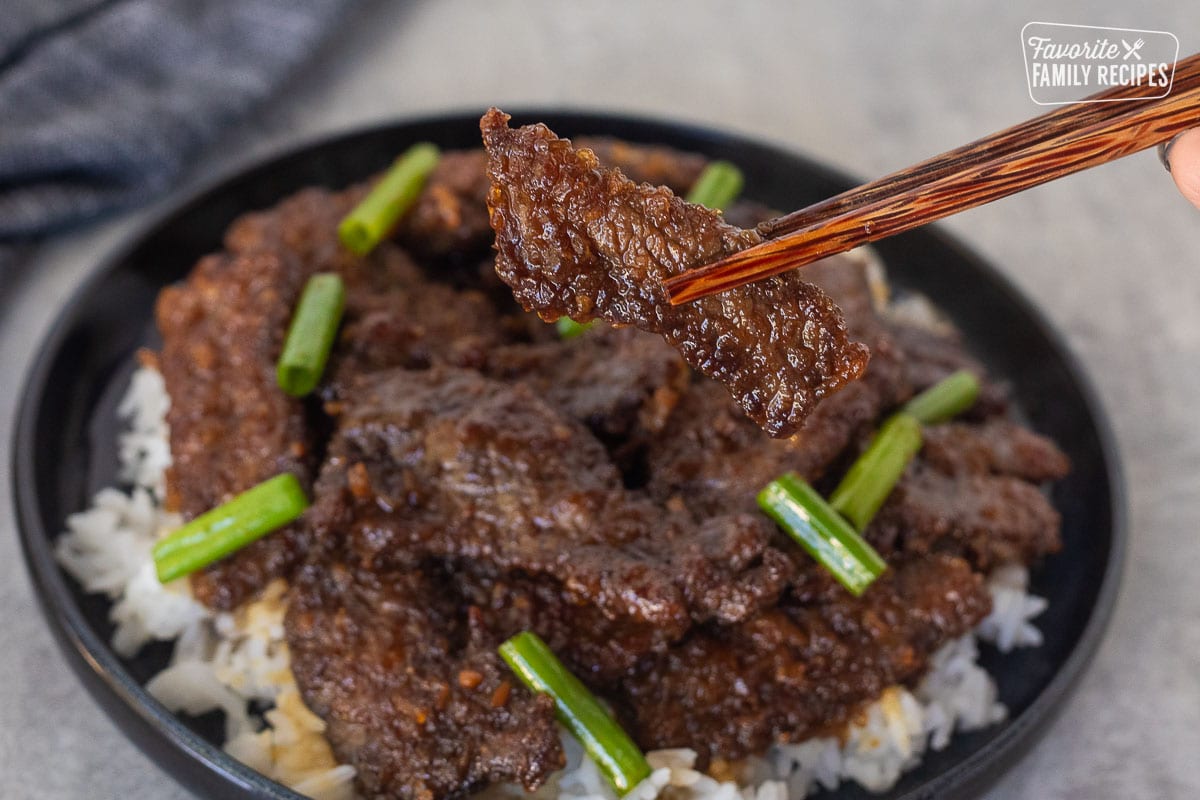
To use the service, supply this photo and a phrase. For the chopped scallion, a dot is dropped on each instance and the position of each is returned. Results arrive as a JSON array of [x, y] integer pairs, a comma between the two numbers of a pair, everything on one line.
[[948, 397], [873, 475], [569, 328], [578, 710], [310, 336], [718, 185], [229, 527], [373, 218], [806, 517]]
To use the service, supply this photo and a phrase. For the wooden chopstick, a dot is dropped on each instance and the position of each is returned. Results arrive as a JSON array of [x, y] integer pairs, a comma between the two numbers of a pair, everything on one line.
[[1059, 143]]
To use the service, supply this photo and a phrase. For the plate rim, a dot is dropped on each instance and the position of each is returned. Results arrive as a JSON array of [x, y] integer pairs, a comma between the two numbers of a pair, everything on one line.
[[147, 723]]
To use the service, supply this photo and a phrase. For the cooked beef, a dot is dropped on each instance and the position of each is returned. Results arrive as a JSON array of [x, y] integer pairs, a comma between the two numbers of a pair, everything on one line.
[[415, 327], [800, 670], [575, 239], [302, 227], [445, 463], [972, 491], [231, 426], [998, 446], [989, 519], [450, 216], [647, 163], [599, 649], [713, 457], [621, 383], [930, 356], [410, 686]]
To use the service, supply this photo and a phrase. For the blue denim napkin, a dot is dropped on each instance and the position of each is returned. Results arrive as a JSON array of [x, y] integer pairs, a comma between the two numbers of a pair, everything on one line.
[[103, 103]]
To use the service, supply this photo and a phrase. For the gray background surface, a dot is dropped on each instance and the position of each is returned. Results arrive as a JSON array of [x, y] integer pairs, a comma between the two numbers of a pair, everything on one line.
[[1111, 255]]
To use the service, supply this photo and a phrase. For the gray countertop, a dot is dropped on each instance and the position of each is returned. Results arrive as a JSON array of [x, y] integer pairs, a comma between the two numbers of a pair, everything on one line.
[[1111, 255]]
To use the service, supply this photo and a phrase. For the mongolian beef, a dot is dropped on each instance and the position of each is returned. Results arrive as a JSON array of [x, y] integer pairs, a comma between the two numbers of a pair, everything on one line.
[[473, 475]]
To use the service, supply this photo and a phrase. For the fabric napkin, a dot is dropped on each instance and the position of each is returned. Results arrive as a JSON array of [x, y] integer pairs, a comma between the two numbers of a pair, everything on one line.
[[103, 103]]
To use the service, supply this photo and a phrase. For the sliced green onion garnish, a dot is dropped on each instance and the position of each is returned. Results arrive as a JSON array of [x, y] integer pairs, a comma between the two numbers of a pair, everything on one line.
[[569, 328], [578, 710], [311, 334], [951, 395], [215, 534], [873, 475], [806, 517], [718, 185], [373, 218]]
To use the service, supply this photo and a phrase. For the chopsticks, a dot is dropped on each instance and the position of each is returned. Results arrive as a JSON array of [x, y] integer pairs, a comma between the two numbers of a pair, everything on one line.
[[1064, 141]]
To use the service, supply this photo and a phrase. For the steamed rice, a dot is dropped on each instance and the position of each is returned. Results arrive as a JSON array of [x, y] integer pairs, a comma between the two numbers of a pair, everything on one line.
[[227, 661]]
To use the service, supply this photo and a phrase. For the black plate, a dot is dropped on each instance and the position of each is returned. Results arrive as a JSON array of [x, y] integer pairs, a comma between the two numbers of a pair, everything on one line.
[[66, 432]]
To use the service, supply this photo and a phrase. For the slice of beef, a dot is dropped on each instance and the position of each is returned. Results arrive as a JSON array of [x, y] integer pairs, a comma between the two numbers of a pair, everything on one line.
[[647, 163], [931, 355], [990, 520], [998, 446], [414, 326], [575, 239], [621, 383], [598, 648], [450, 217], [410, 685], [713, 457], [800, 670], [303, 227], [231, 426], [445, 463]]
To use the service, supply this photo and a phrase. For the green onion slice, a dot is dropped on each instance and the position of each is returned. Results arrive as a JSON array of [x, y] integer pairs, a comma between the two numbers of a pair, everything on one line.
[[578, 710], [718, 185], [310, 336], [806, 517], [874, 474], [373, 218], [948, 397], [569, 328], [215, 534]]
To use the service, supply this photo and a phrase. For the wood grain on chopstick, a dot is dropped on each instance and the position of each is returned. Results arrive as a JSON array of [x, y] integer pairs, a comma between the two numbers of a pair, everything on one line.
[[1064, 141]]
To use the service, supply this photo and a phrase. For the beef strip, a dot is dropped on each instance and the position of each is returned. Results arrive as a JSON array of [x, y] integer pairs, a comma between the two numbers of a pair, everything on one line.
[[799, 670], [713, 457], [410, 685], [578, 240], [930, 356], [989, 519], [998, 445], [647, 163], [450, 216], [413, 327], [302, 227], [621, 383], [231, 427], [597, 648], [972, 491], [445, 463]]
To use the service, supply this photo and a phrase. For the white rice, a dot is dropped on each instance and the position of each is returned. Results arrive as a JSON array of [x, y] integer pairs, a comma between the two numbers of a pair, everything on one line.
[[228, 661]]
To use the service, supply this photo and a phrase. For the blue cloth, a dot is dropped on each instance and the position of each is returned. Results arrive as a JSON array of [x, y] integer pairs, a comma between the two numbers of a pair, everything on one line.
[[104, 103]]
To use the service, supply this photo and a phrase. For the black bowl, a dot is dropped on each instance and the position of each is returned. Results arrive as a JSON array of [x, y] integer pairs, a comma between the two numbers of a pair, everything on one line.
[[66, 430]]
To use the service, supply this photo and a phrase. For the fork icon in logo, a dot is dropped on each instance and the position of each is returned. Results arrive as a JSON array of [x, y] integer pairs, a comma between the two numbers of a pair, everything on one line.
[[1132, 49]]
